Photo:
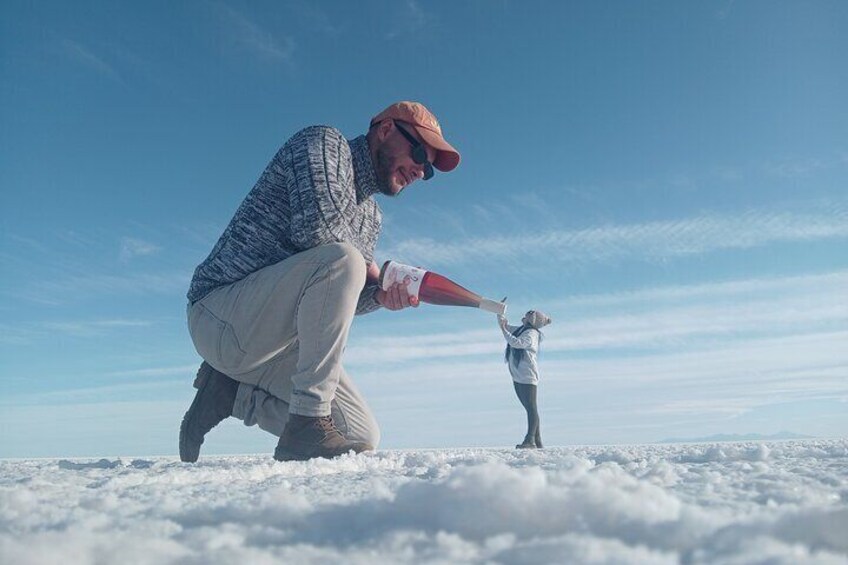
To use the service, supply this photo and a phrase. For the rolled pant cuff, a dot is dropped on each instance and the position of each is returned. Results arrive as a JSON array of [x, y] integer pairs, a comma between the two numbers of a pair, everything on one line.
[[303, 407], [242, 406]]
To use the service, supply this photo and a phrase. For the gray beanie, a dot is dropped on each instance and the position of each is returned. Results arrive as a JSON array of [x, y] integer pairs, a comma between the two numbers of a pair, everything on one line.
[[538, 319]]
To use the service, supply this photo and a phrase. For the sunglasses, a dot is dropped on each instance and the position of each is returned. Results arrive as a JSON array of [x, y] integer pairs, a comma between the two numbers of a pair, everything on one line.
[[419, 154]]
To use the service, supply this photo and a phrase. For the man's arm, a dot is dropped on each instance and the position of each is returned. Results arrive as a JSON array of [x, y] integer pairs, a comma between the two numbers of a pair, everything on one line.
[[322, 196], [368, 299], [321, 193]]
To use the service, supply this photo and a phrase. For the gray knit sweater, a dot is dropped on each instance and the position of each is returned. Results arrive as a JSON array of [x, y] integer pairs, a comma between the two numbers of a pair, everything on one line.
[[317, 189]]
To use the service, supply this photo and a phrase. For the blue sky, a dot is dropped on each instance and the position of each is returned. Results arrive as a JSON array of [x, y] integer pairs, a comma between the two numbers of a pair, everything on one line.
[[666, 179]]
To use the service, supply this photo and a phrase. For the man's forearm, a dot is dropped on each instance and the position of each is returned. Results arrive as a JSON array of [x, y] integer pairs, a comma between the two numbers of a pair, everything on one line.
[[368, 300]]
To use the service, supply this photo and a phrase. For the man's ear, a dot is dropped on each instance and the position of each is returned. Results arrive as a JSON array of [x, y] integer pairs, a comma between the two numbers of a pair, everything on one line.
[[384, 129]]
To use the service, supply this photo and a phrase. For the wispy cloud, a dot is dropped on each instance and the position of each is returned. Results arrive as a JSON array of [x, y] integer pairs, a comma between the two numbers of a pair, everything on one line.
[[61, 290], [117, 386], [63, 267], [26, 244], [31, 332], [671, 356], [676, 318], [727, 174], [812, 363], [91, 328], [631, 396], [96, 397], [411, 19], [733, 378], [84, 56], [724, 11], [178, 370], [825, 285], [643, 241], [249, 35], [802, 167], [314, 18], [132, 247], [16, 335]]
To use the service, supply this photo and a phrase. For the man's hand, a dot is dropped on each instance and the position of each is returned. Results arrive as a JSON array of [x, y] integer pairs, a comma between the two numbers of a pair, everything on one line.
[[396, 297], [502, 321], [373, 273]]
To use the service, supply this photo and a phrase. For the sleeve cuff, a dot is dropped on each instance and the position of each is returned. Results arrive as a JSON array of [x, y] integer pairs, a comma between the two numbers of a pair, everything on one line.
[[368, 300]]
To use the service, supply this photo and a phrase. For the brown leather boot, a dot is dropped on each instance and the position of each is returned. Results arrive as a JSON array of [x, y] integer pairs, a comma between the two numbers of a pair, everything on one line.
[[213, 403], [306, 437]]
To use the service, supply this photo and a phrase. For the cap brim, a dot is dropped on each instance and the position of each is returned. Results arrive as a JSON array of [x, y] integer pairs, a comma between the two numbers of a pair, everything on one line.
[[447, 158]]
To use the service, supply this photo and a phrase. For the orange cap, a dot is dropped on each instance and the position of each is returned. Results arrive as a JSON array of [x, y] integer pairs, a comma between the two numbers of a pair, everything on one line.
[[427, 126]]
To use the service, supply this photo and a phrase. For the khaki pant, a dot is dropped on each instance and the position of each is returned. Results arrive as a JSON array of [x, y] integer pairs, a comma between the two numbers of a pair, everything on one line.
[[281, 332]]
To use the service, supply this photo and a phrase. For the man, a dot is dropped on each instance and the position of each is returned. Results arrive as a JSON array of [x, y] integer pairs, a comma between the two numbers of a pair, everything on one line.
[[270, 308]]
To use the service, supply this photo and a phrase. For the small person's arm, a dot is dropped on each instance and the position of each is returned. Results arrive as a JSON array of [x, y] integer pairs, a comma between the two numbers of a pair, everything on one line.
[[524, 341]]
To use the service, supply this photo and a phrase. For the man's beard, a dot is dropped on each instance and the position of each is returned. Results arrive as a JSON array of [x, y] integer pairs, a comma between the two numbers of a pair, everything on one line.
[[383, 171]]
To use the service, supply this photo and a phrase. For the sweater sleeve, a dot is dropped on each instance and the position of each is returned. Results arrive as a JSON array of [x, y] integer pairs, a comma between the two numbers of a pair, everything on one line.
[[322, 190], [322, 194], [368, 299], [527, 340]]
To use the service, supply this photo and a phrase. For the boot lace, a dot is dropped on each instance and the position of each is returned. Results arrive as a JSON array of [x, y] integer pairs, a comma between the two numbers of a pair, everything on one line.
[[326, 425]]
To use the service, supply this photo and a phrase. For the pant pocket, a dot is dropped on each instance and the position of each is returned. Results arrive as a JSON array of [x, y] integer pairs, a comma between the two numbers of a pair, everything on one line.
[[214, 340], [230, 351]]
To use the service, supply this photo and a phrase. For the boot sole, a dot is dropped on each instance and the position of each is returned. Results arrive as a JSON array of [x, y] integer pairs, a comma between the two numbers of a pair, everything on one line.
[[288, 455]]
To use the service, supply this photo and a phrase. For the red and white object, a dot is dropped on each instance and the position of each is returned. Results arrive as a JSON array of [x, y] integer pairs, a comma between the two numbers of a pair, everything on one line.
[[434, 288]]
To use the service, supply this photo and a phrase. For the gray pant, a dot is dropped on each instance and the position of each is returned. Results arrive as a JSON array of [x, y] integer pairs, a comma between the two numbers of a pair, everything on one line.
[[281, 332]]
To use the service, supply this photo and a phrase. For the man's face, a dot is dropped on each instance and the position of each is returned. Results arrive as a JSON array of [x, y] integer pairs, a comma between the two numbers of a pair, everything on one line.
[[394, 165]]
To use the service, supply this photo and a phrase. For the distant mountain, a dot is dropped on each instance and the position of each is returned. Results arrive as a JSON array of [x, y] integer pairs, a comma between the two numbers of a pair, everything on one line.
[[737, 437]]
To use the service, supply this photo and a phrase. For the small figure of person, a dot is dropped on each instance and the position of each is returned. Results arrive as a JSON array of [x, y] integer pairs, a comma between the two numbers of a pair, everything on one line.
[[522, 347]]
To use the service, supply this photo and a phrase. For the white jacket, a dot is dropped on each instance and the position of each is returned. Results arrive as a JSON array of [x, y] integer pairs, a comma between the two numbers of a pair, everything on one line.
[[526, 371]]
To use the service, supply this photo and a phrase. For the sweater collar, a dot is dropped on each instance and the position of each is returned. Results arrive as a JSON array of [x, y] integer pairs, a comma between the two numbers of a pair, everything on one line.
[[365, 178]]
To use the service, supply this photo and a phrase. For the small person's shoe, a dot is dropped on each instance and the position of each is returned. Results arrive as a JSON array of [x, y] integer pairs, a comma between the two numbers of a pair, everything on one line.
[[526, 445], [213, 403], [307, 437]]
